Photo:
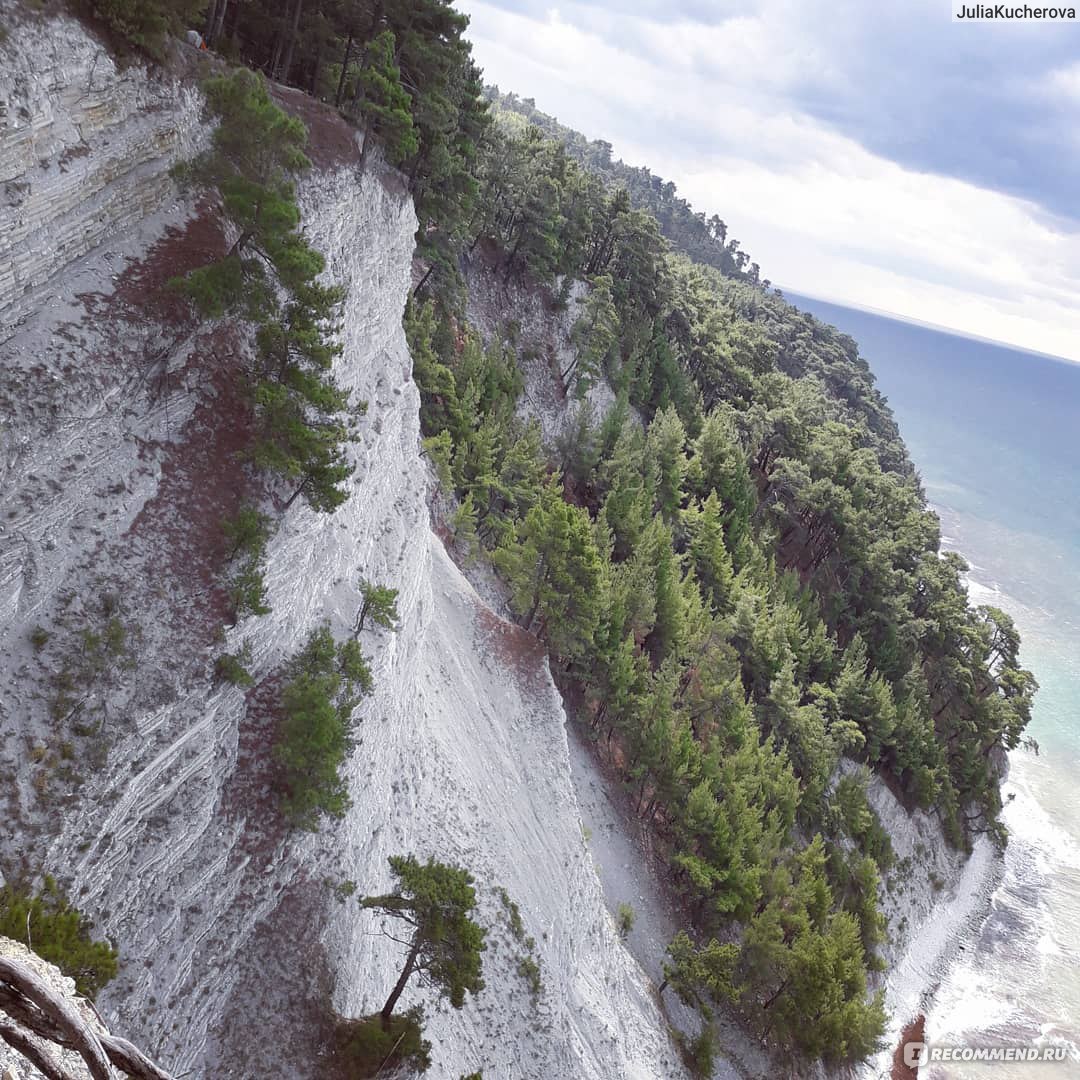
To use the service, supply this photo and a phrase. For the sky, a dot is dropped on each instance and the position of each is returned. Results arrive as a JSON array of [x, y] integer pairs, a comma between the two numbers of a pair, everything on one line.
[[880, 155]]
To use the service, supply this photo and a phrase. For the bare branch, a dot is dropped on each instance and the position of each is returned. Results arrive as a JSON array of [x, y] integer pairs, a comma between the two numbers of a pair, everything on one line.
[[41, 1059], [28, 1001], [63, 1013]]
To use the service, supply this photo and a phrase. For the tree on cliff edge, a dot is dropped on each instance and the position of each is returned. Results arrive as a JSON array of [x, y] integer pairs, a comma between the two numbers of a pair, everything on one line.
[[436, 900]]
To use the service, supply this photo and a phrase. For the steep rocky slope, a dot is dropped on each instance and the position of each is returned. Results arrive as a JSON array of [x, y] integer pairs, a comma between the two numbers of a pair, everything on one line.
[[134, 777]]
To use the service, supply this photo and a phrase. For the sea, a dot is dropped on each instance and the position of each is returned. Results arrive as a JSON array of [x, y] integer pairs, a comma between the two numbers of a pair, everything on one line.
[[995, 436]]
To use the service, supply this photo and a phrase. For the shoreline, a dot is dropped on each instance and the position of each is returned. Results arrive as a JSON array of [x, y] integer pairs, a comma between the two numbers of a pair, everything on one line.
[[953, 925]]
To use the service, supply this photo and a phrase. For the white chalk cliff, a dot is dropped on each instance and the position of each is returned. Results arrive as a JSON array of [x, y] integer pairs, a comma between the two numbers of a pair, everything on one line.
[[142, 791]]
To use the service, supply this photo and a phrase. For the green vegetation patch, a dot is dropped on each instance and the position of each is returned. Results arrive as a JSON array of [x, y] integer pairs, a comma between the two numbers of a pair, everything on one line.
[[58, 932], [324, 684], [369, 1047]]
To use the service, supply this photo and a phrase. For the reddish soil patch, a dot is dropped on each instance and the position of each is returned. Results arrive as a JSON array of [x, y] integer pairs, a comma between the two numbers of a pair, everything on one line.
[[72, 153], [442, 531], [143, 286], [142, 293], [204, 479], [252, 790], [283, 978], [515, 648], [915, 1031], [332, 140]]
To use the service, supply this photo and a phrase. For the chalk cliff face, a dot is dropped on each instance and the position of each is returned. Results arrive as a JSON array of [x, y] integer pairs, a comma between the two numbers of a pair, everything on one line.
[[84, 151], [135, 778]]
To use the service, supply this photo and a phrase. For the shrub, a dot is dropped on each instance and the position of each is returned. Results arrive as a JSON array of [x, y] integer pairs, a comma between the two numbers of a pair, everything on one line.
[[59, 933], [367, 1047], [144, 24], [247, 533], [314, 733], [517, 926], [624, 920], [231, 668], [39, 638], [529, 970], [701, 1055]]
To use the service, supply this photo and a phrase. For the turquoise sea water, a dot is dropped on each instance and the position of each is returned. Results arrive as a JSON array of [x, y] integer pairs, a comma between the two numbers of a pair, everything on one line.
[[995, 435]]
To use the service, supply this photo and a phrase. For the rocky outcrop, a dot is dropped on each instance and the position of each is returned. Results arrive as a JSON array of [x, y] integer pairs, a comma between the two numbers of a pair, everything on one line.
[[934, 898], [85, 150]]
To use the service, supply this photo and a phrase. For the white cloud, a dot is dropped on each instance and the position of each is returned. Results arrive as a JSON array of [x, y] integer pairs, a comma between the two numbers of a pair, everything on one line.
[[820, 213], [1064, 82]]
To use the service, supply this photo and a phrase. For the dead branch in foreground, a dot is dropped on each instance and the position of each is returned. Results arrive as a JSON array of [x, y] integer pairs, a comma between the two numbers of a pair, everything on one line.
[[33, 1006]]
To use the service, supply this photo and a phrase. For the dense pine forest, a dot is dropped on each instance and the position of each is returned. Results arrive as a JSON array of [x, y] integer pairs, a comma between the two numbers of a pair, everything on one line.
[[733, 568]]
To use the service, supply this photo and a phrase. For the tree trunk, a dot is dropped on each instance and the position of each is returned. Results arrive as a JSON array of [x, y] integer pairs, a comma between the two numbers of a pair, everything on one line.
[[513, 256], [344, 69], [364, 147], [219, 22], [211, 21], [399, 986], [296, 493], [769, 1003], [423, 280], [230, 31], [286, 64], [528, 621], [215, 22], [63, 1014], [317, 70]]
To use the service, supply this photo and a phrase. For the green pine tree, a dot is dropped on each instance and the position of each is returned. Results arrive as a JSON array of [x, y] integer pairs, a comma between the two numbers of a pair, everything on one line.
[[436, 901]]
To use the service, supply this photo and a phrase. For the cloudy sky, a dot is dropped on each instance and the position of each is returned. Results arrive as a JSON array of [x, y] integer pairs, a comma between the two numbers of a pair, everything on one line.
[[875, 154]]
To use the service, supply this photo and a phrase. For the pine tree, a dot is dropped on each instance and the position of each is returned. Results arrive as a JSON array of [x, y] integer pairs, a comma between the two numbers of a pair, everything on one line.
[[257, 149], [665, 454], [383, 103], [57, 932], [629, 490], [466, 534], [595, 337], [707, 548], [437, 902], [669, 633], [379, 604], [325, 683], [702, 977], [553, 567], [865, 699]]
